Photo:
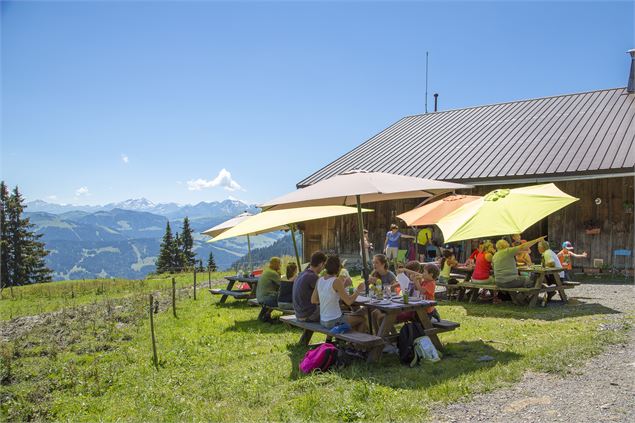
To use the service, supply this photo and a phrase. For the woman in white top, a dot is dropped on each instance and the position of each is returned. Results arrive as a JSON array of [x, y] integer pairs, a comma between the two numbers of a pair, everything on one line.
[[328, 292]]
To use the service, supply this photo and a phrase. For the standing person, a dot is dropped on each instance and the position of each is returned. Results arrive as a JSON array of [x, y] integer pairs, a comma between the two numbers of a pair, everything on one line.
[[303, 288], [549, 259], [285, 293], [328, 293], [391, 244], [566, 255], [504, 263], [368, 246], [382, 273], [267, 288]]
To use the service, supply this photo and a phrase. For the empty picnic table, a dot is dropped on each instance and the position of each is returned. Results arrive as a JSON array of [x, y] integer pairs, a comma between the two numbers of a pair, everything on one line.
[[237, 293], [392, 308]]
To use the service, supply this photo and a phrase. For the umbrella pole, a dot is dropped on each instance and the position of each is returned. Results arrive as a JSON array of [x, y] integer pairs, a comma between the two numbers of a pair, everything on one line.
[[360, 224], [295, 247], [251, 268]]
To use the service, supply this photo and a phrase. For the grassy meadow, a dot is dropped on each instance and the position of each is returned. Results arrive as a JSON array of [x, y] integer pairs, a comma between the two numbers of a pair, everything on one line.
[[87, 356]]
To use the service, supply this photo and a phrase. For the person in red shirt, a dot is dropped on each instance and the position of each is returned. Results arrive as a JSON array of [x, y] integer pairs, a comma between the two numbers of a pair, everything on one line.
[[483, 266], [565, 256]]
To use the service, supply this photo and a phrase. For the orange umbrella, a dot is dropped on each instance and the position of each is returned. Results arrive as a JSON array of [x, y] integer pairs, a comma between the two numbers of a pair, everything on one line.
[[431, 213]]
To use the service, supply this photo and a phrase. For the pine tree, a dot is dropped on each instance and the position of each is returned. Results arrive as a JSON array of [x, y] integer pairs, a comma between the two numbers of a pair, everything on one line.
[[4, 236], [23, 253], [211, 264], [178, 260], [187, 244], [165, 262], [200, 267]]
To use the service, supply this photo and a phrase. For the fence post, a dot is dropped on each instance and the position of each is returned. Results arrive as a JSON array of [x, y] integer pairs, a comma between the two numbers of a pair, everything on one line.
[[209, 276], [174, 297], [154, 343], [195, 282]]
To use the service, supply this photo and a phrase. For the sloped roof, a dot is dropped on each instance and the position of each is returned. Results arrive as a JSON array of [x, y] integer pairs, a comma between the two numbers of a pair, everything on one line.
[[567, 135]]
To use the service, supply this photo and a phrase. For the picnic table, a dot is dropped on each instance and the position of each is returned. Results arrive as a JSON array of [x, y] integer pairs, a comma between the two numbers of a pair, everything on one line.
[[541, 278], [237, 293], [392, 308]]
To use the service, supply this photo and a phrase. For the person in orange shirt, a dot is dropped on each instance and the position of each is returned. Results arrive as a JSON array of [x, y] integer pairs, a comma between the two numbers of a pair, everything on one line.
[[427, 286], [565, 256]]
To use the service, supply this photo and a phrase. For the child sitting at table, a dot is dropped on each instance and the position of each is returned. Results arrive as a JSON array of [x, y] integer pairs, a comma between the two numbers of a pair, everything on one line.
[[447, 263], [411, 270], [427, 287], [285, 300]]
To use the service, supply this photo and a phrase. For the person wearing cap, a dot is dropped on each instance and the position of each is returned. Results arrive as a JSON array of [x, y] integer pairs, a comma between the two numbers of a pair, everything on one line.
[[391, 245], [565, 255]]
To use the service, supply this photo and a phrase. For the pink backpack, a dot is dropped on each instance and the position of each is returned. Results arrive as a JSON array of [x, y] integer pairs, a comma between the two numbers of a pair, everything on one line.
[[320, 358]]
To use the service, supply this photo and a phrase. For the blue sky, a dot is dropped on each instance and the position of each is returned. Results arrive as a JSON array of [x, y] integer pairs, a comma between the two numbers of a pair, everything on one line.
[[198, 101]]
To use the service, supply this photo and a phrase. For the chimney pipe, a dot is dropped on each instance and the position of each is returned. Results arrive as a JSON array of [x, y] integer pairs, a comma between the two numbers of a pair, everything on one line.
[[631, 75], [436, 97]]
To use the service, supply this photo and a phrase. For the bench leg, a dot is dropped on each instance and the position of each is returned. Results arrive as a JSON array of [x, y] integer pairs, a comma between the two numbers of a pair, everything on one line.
[[306, 337], [230, 285], [375, 354], [329, 338], [563, 295]]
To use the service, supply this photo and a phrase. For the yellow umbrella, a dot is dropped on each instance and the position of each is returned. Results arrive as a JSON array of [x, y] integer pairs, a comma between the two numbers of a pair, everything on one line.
[[270, 220], [503, 212]]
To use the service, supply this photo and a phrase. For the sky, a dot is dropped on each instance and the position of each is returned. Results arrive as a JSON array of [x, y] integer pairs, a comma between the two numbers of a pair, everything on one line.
[[200, 101]]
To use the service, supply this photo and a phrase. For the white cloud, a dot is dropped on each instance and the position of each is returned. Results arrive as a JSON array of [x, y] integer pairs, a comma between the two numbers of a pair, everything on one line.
[[223, 179], [124, 158], [81, 191], [51, 197]]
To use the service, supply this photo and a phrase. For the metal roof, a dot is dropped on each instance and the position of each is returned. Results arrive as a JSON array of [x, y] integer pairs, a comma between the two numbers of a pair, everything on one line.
[[591, 133]]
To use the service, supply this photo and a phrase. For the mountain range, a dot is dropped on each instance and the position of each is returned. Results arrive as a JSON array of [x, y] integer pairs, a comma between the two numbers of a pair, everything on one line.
[[122, 239]]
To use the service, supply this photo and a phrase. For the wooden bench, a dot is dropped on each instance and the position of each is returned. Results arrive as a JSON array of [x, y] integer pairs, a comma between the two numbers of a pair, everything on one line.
[[374, 345], [475, 287], [237, 294], [265, 308]]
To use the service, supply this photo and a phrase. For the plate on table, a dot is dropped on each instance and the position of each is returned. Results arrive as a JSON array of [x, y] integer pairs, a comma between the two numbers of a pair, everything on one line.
[[384, 302], [362, 299]]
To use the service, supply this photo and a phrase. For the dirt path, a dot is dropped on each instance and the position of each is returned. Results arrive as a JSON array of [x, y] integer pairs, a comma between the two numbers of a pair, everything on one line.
[[602, 390]]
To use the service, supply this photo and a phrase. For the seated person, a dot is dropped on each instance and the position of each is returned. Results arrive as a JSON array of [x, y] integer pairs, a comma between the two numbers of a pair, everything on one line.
[[523, 258], [343, 273], [447, 263], [381, 273], [411, 270], [267, 288], [285, 293], [483, 265], [550, 259], [303, 288], [328, 292], [427, 285], [471, 261], [504, 263]]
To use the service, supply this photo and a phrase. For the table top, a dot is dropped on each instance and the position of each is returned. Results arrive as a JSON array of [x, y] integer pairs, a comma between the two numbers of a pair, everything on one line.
[[396, 304], [245, 279], [540, 269]]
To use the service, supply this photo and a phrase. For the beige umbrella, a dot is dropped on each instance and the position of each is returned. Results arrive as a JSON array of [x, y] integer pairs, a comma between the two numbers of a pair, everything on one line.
[[431, 213], [274, 219], [228, 224], [357, 187]]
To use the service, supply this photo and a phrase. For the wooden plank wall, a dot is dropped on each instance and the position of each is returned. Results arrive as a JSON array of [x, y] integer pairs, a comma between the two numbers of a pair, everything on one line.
[[340, 234]]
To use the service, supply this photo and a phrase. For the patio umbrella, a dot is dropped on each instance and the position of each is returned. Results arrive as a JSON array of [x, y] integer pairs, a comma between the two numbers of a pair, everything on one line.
[[274, 219], [228, 224], [431, 213], [357, 187], [503, 212]]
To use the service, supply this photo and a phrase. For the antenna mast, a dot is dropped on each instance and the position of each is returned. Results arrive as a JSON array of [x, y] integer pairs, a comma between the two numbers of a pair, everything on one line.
[[426, 82]]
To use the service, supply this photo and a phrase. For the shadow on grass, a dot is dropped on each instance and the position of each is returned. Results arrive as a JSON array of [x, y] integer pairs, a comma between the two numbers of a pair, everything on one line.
[[458, 359], [555, 310], [255, 325]]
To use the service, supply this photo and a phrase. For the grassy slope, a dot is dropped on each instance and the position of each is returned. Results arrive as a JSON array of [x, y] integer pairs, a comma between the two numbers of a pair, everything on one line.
[[219, 363]]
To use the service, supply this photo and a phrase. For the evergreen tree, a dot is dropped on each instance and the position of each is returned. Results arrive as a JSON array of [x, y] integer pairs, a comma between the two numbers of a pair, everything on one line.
[[165, 262], [22, 252], [187, 244], [211, 264], [4, 236], [200, 267], [178, 260]]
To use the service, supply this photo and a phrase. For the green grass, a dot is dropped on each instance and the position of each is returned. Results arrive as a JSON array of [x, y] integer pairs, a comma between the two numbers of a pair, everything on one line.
[[93, 362], [40, 298]]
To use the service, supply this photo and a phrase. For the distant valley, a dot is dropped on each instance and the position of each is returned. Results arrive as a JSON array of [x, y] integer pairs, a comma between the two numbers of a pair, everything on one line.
[[122, 239]]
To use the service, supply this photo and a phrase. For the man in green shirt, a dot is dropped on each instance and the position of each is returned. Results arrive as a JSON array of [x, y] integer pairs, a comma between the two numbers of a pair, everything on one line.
[[504, 263], [268, 285]]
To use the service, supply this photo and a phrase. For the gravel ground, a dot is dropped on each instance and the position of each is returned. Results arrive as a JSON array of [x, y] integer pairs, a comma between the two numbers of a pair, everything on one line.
[[603, 390]]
